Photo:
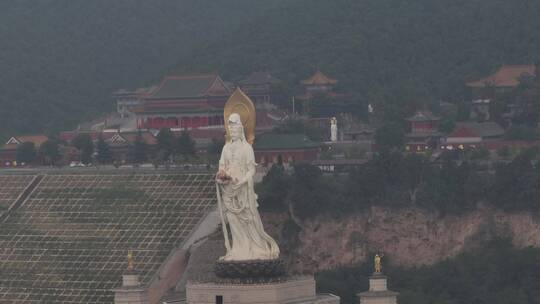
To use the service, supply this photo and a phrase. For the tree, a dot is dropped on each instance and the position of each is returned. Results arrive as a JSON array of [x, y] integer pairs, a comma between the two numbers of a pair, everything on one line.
[[504, 151], [166, 144], [274, 189], [186, 145], [415, 168], [216, 146], [526, 99], [516, 185], [26, 153], [49, 151], [447, 125], [296, 126], [139, 150], [521, 132], [480, 153], [104, 154], [390, 136], [214, 149], [83, 143]]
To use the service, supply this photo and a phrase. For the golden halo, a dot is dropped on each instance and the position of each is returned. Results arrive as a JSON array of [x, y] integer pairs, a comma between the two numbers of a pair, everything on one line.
[[241, 104]]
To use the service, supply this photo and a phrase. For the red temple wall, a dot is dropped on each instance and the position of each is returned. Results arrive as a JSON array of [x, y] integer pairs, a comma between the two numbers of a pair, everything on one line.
[[188, 122]]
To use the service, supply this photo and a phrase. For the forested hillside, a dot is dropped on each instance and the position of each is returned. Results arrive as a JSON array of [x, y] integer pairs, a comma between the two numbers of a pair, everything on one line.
[[61, 59]]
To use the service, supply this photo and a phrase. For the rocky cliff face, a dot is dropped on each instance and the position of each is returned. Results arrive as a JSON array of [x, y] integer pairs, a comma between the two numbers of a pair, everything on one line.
[[409, 237]]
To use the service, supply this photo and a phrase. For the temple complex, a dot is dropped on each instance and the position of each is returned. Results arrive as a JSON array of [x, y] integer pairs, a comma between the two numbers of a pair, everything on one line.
[[317, 84], [505, 78], [284, 149], [321, 86], [189, 101], [258, 86], [472, 135], [119, 142], [127, 101], [8, 152], [424, 133]]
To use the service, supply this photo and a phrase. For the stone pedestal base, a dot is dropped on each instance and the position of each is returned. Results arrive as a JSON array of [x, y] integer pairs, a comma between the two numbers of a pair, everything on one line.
[[130, 296], [293, 290], [131, 292], [378, 292]]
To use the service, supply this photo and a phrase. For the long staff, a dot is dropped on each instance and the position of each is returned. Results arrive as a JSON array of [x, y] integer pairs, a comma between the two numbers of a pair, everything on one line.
[[223, 224]]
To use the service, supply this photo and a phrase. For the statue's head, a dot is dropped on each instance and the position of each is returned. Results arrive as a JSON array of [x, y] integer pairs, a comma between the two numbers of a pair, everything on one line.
[[236, 129]]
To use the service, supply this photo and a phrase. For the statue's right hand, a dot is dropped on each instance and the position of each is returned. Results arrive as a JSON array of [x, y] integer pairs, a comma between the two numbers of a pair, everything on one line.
[[222, 181]]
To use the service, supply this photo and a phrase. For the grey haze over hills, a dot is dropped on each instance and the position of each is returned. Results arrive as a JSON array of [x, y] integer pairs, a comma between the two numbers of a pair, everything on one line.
[[60, 60]]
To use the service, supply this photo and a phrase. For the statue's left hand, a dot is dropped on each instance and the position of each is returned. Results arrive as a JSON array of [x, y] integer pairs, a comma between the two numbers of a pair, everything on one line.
[[238, 183]]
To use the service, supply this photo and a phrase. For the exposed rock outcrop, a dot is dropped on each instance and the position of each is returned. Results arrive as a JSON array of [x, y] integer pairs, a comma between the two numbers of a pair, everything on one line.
[[409, 237]]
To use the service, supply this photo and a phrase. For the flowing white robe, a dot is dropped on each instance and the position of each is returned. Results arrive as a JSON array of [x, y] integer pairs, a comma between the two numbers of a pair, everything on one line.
[[238, 207]]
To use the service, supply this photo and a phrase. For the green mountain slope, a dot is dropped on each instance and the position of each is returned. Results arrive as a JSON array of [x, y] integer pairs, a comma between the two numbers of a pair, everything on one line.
[[61, 59], [390, 50]]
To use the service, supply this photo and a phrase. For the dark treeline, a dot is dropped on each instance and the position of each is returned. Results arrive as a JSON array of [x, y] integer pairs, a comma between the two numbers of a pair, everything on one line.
[[496, 273], [396, 55], [398, 180], [61, 59]]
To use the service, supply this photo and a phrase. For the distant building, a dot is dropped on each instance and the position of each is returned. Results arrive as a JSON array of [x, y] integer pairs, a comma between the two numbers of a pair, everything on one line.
[[319, 85], [424, 133], [127, 100], [486, 89], [285, 149], [258, 86], [505, 78], [8, 152], [190, 101], [471, 135], [119, 142]]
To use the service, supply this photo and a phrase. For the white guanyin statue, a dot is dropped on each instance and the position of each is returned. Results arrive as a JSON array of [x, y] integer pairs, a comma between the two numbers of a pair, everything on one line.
[[237, 200]]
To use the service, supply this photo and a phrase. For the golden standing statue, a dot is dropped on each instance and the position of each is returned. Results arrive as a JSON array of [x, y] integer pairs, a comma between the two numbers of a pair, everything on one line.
[[378, 265], [131, 265]]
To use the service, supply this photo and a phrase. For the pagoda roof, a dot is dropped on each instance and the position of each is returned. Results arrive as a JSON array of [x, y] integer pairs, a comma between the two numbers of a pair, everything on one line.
[[140, 92], [505, 76], [258, 78], [318, 78], [130, 137], [14, 141], [113, 137], [423, 116], [273, 141], [190, 86]]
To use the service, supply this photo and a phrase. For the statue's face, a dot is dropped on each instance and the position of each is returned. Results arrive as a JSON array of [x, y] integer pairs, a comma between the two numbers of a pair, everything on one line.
[[235, 126]]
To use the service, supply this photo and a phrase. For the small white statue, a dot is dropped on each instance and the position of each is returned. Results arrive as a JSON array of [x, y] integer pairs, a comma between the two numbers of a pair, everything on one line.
[[238, 202], [333, 129]]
